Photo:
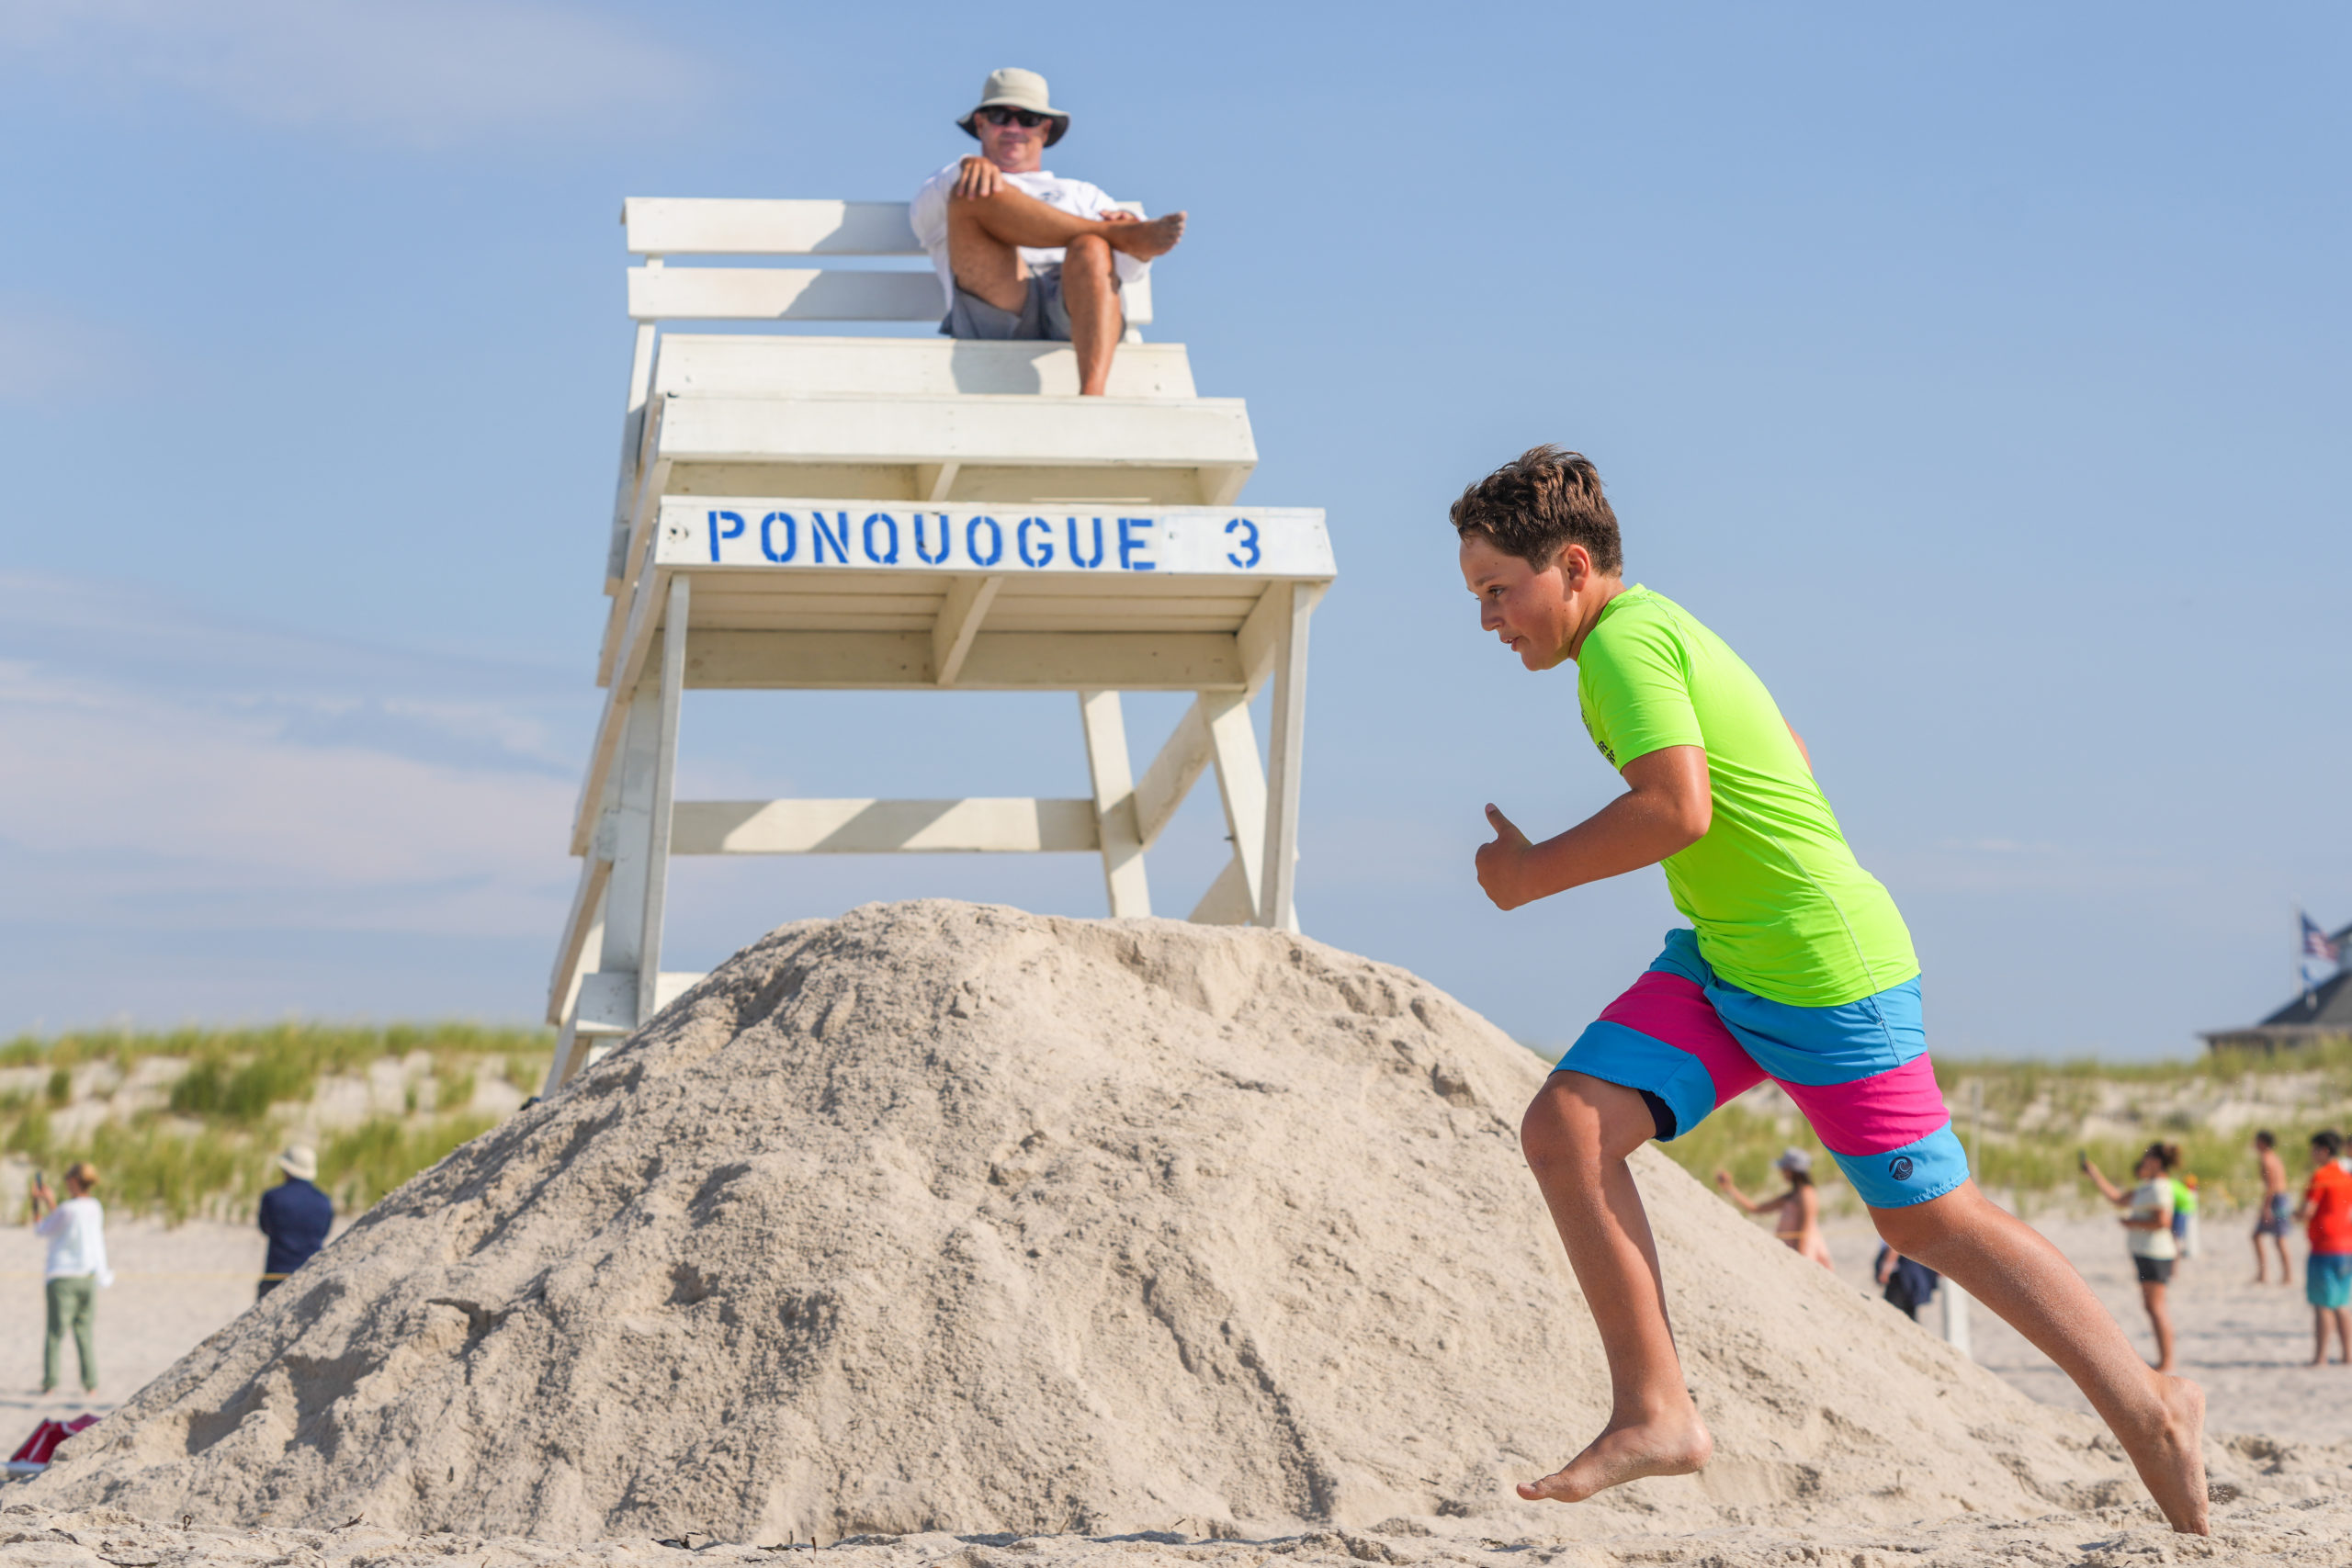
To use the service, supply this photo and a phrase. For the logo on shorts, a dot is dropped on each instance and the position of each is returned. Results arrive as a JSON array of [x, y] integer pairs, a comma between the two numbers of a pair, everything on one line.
[[1899, 1167]]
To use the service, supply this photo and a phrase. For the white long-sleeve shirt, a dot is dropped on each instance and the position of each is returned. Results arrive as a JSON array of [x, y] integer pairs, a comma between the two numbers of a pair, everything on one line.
[[76, 1230]]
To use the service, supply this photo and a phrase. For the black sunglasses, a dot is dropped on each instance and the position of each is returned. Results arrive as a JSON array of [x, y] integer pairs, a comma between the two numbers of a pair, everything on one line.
[[1026, 119]]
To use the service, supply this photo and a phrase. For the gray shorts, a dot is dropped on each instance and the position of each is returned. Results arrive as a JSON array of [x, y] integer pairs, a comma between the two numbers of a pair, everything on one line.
[[1042, 315]]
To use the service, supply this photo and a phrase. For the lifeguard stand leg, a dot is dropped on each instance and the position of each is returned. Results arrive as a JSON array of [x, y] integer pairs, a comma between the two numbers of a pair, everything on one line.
[[1115, 803], [665, 768], [1277, 905], [1232, 899]]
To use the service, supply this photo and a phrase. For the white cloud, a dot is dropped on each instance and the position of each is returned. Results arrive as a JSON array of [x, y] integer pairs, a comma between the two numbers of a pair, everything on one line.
[[195, 804], [159, 768], [53, 355], [421, 72]]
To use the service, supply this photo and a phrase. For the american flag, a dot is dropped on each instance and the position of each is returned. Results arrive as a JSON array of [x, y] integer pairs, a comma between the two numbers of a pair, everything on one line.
[[2315, 942]]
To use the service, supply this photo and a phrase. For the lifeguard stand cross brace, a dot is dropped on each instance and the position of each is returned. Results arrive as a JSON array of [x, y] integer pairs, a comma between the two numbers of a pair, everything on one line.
[[903, 513]]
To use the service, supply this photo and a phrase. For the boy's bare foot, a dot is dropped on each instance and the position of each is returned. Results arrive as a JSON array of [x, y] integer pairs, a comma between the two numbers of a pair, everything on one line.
[[1668, 1446], [2170, 1454], [1151, 238]]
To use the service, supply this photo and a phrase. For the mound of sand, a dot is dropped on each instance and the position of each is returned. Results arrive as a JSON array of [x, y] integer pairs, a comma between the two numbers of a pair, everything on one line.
[[941, 1216]]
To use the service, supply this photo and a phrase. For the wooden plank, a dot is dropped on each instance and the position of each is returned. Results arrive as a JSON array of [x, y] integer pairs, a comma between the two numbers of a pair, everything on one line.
[[754, 621], [641, 382], [781, 293], [773, 363], [1114, 803], [1226, 903], [622, 831], [674, 621], [883, 827], [583, 929], [1172, 775], [1109, 619], [778, 536], [721, 592], [1279, 871], [978, 429], [1000, 661], [960, 614], [1241, 789], [738, 227], [609, 1000], [627, 652]]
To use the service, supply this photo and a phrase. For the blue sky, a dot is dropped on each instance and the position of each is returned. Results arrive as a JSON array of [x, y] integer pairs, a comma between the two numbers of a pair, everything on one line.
[[1980, 374]]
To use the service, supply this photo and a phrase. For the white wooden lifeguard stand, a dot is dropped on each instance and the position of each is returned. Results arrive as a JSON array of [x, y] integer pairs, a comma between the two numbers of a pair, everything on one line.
[[902, 513]]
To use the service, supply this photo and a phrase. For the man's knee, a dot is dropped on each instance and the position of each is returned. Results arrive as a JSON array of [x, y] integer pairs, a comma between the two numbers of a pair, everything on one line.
[[1088, 252]]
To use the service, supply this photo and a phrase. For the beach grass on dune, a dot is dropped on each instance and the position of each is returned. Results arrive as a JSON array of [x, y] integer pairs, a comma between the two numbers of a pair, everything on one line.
[[205, 1145]]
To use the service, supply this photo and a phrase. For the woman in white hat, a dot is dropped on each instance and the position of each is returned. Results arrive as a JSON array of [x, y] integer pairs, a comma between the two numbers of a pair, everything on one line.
[[1799, 1225]]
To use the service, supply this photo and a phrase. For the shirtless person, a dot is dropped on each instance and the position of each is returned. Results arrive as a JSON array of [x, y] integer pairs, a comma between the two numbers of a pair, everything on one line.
[[1799, 1225], [1022, 254], [2272, 1215]]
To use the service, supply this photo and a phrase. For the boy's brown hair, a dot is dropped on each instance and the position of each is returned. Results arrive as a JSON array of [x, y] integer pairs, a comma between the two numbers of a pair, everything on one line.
[[1539, 503]]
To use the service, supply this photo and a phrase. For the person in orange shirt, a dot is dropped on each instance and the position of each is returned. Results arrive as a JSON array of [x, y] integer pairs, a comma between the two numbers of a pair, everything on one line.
[[2326, 1213]]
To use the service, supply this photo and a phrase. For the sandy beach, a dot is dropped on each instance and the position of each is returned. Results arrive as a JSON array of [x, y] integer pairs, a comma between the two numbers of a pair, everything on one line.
[[2248, 1345]]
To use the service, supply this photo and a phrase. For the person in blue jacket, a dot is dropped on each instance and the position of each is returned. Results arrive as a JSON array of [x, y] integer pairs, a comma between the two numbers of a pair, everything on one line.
[[295, 1215]]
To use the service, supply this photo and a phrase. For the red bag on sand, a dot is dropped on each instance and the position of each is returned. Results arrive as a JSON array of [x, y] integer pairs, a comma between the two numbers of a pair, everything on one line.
[[46, 1437]]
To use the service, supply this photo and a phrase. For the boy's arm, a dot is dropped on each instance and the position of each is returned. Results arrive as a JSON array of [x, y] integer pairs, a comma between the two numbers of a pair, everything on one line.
[[1802, 749], [1665, 808]]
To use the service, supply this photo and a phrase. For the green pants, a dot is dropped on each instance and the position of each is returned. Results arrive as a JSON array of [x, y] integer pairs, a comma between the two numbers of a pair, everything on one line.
[[71, 1302]]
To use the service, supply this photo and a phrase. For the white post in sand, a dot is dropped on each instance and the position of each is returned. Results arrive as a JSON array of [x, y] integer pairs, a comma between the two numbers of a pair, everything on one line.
[[1956, 1301]]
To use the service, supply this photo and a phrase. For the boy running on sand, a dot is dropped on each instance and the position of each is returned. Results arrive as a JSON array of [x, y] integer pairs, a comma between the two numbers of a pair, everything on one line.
[[1799, 969]]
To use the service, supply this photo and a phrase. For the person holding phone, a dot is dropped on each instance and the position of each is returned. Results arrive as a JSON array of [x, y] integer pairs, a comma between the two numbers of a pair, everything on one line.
[[76, 1233], [2147, 1231]]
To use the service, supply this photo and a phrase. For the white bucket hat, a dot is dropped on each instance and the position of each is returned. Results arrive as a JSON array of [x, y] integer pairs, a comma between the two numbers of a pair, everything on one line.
[[1014, 88], [300, 1161], [1795, 1159]]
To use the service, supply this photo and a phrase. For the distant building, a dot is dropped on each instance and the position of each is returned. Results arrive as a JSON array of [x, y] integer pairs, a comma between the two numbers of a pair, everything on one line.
[[2320, 1011]]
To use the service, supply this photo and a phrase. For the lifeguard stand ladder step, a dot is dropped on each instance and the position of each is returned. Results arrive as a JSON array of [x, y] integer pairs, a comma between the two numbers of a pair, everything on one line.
[[894, 514]]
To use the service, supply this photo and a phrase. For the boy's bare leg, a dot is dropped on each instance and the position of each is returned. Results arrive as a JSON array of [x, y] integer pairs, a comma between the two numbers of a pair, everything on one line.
[[2261, 1261], [1578, 1135], [2014, 1270]]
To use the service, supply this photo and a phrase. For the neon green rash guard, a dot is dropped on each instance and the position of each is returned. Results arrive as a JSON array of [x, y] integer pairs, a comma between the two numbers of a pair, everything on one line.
[[1780, 905]]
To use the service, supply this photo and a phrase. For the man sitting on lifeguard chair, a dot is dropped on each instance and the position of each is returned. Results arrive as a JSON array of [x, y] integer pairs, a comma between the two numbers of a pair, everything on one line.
[[1022, 252]]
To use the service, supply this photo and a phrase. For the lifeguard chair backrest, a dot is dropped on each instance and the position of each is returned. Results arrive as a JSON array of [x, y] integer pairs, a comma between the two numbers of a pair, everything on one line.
[[660, 228]]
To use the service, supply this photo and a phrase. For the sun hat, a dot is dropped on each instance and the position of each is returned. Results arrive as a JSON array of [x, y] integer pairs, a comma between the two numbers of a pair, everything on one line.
[[1014, 88], [1796, 1159], [300, 1162]]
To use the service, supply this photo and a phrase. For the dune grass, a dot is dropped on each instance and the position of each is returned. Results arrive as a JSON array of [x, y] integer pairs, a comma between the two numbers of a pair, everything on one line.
[[209, 1149]]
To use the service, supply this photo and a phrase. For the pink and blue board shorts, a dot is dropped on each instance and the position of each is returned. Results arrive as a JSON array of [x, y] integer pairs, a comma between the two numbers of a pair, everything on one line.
[[1689, 1040]]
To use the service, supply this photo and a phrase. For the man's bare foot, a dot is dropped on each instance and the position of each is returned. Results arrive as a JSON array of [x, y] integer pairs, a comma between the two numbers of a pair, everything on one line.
[[1668, 1446], [1148, 238], [2170, 1454]]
